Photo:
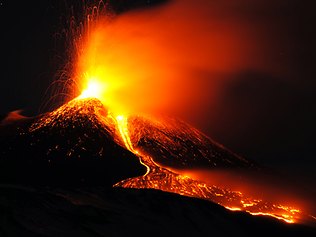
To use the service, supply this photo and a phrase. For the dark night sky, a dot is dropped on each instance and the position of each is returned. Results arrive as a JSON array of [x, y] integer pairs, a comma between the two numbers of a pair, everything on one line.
[[265, 117]]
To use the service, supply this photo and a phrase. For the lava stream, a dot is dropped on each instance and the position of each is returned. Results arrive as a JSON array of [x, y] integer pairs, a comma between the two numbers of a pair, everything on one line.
[[122, 125], [158, 177]]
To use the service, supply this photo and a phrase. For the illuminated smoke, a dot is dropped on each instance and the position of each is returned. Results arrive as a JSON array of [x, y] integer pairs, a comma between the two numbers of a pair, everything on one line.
[[172, 58]]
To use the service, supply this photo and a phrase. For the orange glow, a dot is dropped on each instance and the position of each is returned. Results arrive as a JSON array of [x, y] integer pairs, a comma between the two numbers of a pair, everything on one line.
[[95, 89], [233, 208], [124, 134], [166, 59]]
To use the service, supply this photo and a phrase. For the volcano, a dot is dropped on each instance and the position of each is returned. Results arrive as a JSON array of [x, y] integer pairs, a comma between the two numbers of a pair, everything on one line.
[[82, 156]]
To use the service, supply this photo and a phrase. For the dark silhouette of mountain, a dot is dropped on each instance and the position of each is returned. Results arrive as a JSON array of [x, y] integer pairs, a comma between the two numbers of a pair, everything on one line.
[[78, 144], [174, 143], [71, 149], [57, 172]]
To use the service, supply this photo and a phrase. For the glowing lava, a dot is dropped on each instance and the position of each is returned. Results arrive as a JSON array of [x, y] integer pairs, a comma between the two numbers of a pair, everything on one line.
[[123, 129], [161, 178], [94, 89]]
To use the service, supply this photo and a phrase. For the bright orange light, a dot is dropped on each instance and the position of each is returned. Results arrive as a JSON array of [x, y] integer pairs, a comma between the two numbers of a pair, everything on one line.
[[151, 65], [122, 126], [94, 89], [120, 117]]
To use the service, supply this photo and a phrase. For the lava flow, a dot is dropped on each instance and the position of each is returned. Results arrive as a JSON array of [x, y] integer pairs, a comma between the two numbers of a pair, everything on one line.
[[163, 178], [160, 143], [159, 177]]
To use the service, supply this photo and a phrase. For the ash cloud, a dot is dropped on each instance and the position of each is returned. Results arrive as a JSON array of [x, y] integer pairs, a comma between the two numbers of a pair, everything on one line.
[[178, 55]]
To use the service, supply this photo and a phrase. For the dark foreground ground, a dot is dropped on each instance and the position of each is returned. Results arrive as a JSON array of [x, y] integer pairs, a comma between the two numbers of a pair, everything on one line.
[[26, 211]]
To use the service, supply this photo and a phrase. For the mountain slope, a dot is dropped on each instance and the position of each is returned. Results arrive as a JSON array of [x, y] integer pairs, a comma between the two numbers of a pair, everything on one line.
[[69, 146]]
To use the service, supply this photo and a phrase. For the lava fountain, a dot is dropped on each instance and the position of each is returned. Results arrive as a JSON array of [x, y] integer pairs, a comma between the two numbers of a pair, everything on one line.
[[110, 68]]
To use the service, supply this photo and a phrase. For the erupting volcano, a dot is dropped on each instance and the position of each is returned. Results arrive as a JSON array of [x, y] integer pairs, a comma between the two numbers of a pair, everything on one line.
[[162, 145], [112, 131]]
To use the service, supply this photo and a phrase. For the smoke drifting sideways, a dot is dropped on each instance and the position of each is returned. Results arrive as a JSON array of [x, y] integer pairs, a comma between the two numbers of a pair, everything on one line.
[[173, 58]]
